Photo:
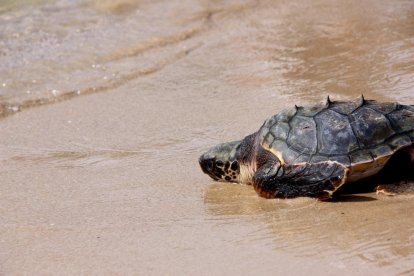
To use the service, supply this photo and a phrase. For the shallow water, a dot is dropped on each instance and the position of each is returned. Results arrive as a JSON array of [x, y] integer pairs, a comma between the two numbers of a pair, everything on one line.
[[106, 106]]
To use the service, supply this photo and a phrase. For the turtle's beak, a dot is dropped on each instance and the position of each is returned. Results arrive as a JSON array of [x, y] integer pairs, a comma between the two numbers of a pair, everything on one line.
[[207, 164]]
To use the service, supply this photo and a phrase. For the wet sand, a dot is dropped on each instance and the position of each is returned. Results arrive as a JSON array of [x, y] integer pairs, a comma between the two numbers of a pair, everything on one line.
[[99, 161]]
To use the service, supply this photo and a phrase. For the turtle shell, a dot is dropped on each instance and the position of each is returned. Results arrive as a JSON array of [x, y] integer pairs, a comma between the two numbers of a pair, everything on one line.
[[361, 134]]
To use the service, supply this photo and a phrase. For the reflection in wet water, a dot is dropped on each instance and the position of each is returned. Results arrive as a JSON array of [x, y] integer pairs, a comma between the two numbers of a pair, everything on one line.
[[362, 226]]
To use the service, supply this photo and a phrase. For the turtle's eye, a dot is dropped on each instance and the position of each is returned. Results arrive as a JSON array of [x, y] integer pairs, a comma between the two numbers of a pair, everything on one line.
[[210, 164]]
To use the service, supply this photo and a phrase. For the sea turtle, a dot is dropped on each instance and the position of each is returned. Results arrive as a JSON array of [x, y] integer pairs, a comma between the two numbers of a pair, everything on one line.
[[314, 150]]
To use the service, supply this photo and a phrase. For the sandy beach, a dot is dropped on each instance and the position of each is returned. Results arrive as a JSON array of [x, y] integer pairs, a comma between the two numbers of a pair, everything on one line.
[[107, 105]]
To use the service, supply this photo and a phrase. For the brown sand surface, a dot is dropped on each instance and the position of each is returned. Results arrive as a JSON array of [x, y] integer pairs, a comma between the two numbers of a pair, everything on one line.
[[99, 162]]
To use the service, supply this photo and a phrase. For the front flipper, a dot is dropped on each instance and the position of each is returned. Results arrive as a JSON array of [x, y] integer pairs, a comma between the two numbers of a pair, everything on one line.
[[305, 179]]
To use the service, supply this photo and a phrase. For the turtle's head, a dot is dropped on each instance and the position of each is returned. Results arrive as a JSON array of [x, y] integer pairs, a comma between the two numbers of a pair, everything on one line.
[[232, 161], [220, 162]]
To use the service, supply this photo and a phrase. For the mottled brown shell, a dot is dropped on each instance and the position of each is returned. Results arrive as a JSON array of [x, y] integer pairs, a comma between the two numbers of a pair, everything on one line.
[[360, 134]]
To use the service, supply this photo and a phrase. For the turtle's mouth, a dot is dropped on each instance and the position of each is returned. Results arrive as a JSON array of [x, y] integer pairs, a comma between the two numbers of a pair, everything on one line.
[[208, 165]]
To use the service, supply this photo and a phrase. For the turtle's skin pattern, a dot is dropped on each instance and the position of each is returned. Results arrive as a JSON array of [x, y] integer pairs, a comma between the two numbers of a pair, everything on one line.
[[312, 151]]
